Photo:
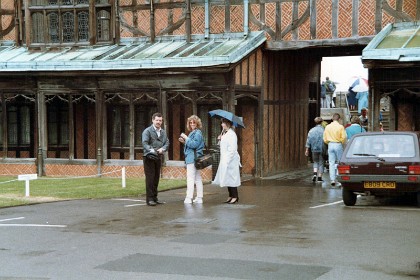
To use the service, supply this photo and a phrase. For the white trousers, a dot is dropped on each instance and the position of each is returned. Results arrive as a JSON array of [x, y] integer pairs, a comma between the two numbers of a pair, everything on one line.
[[194, 178], [328, 100]]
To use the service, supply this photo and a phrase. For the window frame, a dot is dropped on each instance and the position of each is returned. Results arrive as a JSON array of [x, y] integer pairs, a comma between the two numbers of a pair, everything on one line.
[[43, 11], [142, 115], [61, 123], [23, 131]]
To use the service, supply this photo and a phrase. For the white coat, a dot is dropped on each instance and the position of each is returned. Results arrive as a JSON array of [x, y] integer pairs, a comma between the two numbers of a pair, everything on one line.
[[228, 174]]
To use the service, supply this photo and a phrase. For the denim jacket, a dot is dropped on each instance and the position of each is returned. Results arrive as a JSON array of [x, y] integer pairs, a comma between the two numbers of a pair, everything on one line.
[[195, 142], [315, 140]]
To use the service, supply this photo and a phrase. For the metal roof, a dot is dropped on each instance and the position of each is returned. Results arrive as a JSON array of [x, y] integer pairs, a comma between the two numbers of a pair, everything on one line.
[[397, 41], [135, 53]]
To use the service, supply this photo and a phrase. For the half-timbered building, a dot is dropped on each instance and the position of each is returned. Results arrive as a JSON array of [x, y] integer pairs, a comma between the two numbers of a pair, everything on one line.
[[79, 79]]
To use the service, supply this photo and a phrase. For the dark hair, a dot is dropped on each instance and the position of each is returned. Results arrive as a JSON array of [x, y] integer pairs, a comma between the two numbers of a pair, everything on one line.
[[336, 116], [227, 122], [159, 115]]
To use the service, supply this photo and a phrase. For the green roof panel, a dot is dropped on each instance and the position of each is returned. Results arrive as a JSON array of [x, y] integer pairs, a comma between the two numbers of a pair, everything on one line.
[[135, 53]]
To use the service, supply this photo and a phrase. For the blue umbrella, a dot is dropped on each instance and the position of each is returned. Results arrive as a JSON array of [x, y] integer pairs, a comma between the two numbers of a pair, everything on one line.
[[236, 121]]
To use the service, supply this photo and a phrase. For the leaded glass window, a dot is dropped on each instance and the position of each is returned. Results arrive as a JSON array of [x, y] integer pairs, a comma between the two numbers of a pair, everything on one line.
[[38, 2], [68, 27], [53, 30], [68, 21], [83, 22]]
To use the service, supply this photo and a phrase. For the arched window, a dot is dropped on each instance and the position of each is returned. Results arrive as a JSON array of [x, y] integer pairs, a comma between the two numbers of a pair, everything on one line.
[[53, 28], [83, 24], [68, 27]]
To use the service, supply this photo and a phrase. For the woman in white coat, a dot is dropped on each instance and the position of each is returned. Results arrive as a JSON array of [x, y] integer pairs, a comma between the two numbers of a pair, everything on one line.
[[228, 174]]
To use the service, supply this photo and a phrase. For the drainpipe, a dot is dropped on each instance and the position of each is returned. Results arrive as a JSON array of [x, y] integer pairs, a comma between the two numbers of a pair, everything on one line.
[[206, 19], [152, 22], [246, 23]]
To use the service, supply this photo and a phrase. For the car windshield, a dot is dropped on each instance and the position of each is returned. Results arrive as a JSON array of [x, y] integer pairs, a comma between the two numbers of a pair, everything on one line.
[[382, 145]]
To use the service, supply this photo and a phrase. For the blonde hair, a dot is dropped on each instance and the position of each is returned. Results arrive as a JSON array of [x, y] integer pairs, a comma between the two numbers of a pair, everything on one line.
[[196, 119]]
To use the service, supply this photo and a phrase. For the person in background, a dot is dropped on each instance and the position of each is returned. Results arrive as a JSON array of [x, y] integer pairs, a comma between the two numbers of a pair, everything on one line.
[[330, 89], [362, 98], [351, 99], [228, 173], [315, 142], [193, 147], [156, 142], [354, 128], [364, 118], [335, 137]]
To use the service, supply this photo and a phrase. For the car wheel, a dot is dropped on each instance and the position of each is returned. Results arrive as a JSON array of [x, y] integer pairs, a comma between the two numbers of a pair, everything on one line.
[[349, 197]]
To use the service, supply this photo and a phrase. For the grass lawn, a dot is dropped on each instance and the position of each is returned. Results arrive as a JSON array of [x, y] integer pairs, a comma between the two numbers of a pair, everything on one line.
[[44, 189]]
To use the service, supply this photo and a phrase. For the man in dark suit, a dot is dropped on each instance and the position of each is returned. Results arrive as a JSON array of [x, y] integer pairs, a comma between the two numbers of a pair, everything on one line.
[[155, 144]]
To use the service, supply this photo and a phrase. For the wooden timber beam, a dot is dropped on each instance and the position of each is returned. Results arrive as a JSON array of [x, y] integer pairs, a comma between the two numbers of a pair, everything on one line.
[[295, 45]]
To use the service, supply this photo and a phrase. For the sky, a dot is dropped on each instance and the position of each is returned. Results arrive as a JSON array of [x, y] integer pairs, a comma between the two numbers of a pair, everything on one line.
[[341, 69]]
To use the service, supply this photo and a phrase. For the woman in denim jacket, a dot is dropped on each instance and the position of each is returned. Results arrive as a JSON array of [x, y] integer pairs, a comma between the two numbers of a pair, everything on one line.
[[194, 145]]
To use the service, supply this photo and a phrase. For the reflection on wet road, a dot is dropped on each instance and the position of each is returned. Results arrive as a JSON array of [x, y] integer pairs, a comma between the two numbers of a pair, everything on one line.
[[283, 228]]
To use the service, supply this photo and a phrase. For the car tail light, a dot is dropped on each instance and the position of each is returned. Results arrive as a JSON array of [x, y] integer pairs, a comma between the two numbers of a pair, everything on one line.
[[412, 178], [345, 178], [344, 169], [414, 170]]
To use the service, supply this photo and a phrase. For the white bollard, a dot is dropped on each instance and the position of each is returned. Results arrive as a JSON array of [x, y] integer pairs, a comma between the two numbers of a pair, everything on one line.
[[27, 187], [123, 177], [26, 178]]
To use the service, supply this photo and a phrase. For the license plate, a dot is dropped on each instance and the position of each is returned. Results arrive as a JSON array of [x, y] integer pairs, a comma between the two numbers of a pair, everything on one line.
[[379, 185]]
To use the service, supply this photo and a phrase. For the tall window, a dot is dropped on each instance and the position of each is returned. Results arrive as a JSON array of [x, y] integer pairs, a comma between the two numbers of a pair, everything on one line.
[[119, 127], [67, 22], [211, 126], [58, 126], [17, 122]]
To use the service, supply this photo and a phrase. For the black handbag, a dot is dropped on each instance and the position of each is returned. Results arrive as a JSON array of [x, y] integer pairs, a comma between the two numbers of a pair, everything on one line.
[[203, 161], [153, 156]]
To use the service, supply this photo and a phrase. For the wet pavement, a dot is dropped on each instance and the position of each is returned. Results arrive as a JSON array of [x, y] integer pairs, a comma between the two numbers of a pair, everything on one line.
[[284, 227]]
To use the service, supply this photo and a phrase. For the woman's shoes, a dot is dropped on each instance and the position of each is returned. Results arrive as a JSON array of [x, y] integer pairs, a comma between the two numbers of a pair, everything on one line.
[[233, 200], [228, 200]]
